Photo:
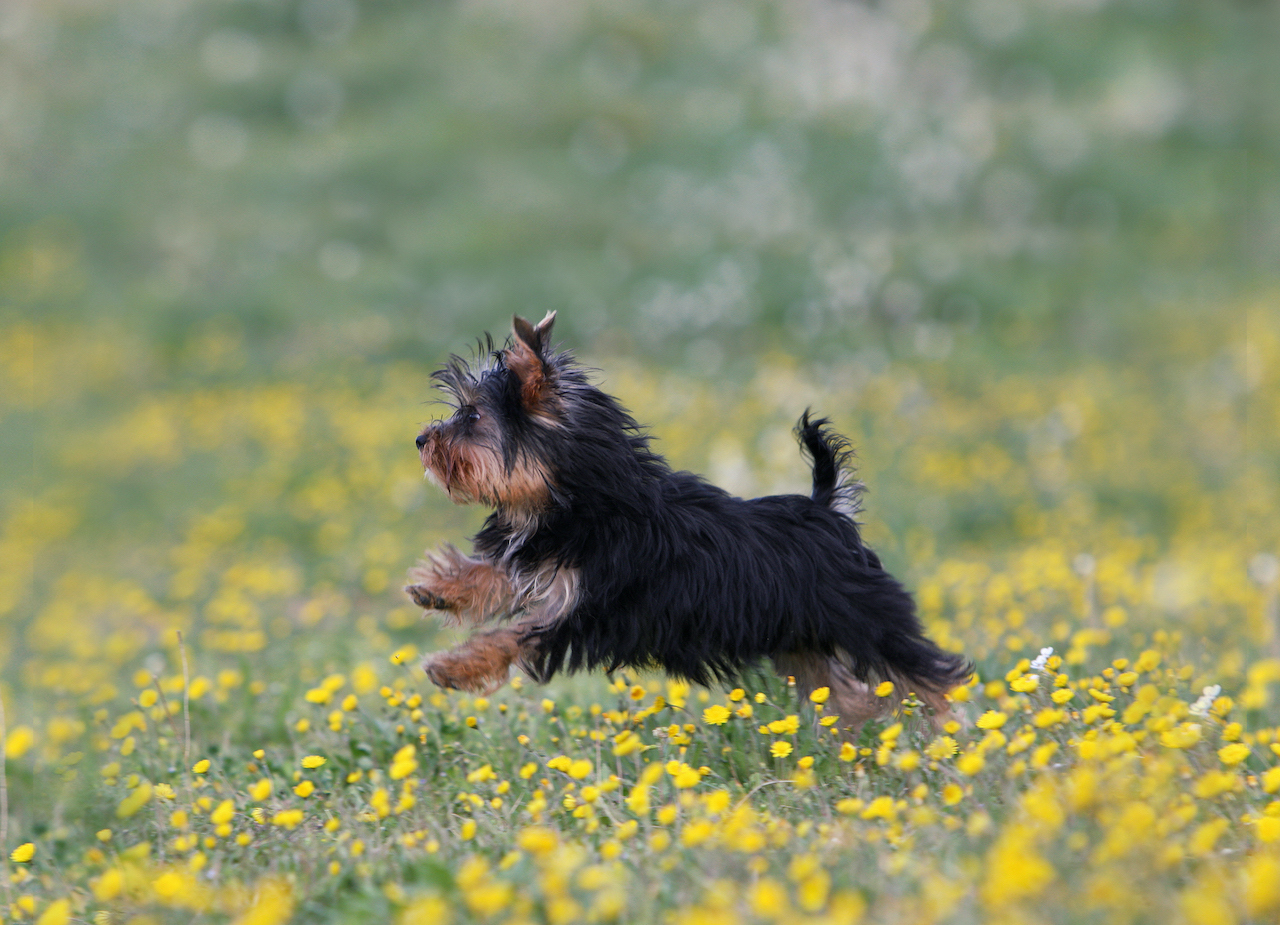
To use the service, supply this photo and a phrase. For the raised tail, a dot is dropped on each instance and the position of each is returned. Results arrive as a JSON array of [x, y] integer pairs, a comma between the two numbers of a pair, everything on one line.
[[834, 482]]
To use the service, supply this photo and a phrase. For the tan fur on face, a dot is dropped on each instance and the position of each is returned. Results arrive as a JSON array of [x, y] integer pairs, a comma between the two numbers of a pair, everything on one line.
[[467, 590], [471, 471]]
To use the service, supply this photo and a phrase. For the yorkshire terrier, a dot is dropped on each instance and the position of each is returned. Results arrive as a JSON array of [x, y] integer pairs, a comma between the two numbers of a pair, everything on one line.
[[597, 554]]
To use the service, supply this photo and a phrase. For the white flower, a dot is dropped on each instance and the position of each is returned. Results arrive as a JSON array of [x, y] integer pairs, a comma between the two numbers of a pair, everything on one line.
[[1202, 706], [1039, 662]]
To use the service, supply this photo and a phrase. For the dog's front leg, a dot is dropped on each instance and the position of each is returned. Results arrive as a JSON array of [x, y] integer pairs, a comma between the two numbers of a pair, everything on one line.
[[483, 663], [480, 665], [467, 589]]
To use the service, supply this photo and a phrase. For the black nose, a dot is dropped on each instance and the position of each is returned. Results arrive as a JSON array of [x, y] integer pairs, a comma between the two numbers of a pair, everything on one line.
[[421, 441]]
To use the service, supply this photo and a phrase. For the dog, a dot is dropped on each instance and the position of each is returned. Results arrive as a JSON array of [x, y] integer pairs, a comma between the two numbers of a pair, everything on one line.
[[598, 555]]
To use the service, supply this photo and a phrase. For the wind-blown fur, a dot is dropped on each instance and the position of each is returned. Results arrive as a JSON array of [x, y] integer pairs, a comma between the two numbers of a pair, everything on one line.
[[657, 568]]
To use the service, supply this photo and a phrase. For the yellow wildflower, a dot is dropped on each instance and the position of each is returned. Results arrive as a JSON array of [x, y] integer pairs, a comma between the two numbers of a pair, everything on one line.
[[992, 719], [23, 853], [58, 913], [1233, 754], [716, 715]]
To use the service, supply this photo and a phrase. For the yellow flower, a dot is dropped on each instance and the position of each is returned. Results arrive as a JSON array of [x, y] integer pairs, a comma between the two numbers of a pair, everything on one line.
[[848, 751], [261, 790], [288, 819], [1262, 890], [109, 885], [1214, 783], [626, 743], [23, 853], [537, 840], [908, 761], [580, 769], [881, 808], [952, 794], [780, 749], [686, 777], [768, 898], [885, 689], [403, 764], [992, 720], [312, 761], [1184, 736], [19, 742], [305, 789], [201, 766], [1049, 717], [970, 764], [1233, 754], [716, 715], [1271, 779], [1015, 870], [941, 748], [788, 726], [224, 813], [820, 695], [468, 830], [58, 913], [134, 801]]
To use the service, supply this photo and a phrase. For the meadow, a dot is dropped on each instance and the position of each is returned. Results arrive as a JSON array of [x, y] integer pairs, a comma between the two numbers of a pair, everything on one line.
[[1019, 252]]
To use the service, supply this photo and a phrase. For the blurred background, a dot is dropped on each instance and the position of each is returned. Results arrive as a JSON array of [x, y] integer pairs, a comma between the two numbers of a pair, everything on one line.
[[1024, 252]]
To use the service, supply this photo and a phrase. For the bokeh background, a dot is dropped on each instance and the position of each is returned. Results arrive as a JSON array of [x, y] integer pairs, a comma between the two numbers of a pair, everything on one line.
[[1024, 252]]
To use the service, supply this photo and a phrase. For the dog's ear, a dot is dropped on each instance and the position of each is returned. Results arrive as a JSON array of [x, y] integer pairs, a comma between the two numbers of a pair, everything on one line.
[[526, 358]]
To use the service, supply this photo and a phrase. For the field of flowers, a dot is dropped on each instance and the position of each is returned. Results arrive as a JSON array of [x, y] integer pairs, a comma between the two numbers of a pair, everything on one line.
[[1022, 252], [221, 717]]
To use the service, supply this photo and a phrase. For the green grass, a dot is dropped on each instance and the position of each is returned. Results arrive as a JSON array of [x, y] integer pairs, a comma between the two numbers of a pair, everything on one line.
[[1022, 254]]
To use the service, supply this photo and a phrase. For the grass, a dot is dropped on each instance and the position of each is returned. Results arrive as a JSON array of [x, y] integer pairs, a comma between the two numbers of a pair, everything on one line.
[[1019, 253], [1102, 781]]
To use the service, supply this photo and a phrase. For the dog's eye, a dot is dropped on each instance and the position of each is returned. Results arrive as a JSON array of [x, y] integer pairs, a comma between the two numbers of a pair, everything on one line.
[[473, 415]]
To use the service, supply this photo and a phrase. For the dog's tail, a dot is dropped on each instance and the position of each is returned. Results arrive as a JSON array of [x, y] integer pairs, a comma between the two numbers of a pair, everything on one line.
[[834, 482]]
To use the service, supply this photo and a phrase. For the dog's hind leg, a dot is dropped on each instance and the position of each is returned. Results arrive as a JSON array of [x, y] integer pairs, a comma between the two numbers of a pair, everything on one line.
[[852, 700]]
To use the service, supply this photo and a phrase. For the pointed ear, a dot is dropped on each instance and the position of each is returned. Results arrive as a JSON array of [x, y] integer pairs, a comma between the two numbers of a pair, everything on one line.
[[526, 358], [533, 336]]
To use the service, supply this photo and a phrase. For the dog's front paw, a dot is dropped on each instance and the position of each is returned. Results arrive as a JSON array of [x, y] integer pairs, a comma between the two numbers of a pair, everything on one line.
[[427, 599], [441, 673], [461, 673]]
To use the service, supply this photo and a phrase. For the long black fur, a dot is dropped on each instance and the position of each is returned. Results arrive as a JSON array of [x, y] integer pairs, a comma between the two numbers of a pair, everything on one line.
[[676, 573]]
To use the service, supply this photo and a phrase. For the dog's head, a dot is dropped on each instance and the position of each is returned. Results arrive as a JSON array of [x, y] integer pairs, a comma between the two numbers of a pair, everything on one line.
[[506, 405]]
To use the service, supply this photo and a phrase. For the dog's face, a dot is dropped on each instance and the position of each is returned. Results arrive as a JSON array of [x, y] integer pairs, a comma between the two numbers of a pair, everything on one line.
[[492, 448]]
